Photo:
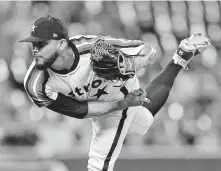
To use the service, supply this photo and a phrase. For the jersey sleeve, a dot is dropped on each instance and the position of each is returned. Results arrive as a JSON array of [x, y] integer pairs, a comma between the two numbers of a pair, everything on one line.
[[130, 47], [37, 87], [136, 48], [42, 94], [84, 42]]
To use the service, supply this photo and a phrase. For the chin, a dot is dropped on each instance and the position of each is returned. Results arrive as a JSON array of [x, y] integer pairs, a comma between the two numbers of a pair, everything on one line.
[[41, 65]]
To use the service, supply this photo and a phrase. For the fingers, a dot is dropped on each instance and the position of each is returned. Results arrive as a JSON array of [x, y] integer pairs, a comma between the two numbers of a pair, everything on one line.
[[147, 100], [142, 93], [138, 92], [137, 98]]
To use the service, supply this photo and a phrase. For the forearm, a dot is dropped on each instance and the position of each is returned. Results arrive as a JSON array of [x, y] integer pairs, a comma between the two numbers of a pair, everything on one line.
[[96, 108], [82, 109]]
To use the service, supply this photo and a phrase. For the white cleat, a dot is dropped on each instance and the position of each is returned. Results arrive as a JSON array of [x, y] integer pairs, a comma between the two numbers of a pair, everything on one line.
[[189, 48]]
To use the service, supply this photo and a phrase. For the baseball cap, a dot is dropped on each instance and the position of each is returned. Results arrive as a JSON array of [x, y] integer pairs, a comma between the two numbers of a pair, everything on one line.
[[47, 28]]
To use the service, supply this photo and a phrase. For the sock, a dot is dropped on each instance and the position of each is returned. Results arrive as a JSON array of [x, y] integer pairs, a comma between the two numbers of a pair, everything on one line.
[[159, 88]]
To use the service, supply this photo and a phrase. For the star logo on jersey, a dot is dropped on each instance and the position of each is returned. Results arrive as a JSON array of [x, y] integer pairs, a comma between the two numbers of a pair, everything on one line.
[[33, 27], [100, 92]]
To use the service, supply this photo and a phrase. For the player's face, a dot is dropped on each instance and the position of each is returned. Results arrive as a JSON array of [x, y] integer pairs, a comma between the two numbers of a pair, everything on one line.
[[45, 53]]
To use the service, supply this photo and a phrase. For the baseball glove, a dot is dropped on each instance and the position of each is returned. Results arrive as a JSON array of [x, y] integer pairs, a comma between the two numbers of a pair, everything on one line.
[[111, 63]]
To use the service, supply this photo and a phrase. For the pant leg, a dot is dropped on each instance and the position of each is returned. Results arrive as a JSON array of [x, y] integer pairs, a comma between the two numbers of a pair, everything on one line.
[[109, 132], [141, 122]]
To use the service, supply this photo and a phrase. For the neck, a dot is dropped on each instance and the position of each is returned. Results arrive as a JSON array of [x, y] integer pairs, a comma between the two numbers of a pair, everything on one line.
[[69, 60], [65, 60]]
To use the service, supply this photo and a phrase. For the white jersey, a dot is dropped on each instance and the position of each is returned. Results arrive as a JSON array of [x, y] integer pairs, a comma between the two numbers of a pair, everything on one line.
[[80, 82]]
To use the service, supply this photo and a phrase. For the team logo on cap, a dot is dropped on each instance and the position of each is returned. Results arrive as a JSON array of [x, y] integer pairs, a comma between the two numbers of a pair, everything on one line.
[[55, 35], [33, 27]]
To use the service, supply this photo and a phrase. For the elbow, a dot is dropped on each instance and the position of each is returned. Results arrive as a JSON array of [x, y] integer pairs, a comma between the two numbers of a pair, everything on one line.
[[149, 54], [151, 57], [145, 60]]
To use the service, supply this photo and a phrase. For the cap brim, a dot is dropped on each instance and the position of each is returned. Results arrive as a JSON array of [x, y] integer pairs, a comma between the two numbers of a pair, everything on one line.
[[34, 39]]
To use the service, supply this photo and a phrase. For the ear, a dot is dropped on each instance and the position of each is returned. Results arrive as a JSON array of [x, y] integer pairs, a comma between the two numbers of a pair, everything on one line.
[[62, 44]]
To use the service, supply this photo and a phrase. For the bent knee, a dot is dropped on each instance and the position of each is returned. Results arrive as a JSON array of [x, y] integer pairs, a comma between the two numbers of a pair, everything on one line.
[[142, 121]]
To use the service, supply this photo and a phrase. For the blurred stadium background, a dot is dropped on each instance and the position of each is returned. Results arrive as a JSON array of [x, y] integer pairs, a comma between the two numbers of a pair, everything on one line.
[[187, 127]]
